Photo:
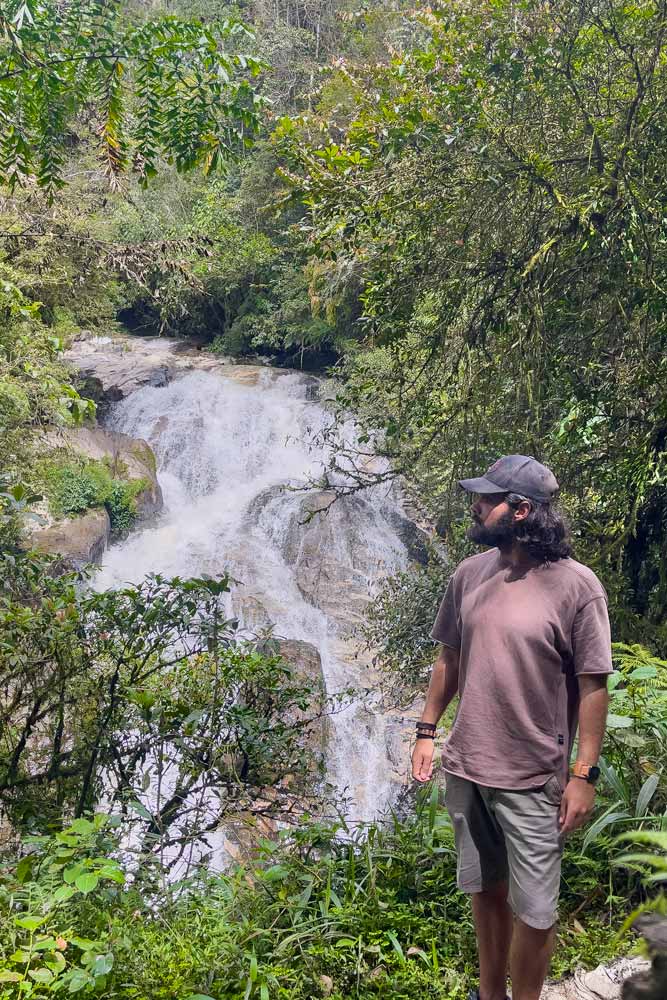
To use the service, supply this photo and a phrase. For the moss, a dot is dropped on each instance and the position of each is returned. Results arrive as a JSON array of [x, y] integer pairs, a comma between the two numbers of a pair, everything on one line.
[[144, 453]]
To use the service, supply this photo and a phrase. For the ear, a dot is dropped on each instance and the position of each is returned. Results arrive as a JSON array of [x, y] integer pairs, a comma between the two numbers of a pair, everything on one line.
[[523, 510]]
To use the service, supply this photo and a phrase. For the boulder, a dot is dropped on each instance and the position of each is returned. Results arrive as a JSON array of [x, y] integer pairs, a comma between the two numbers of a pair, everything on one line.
[[306, 664], [338, 548], [77, 540], [128, 458], [109, 371], [415, 539]]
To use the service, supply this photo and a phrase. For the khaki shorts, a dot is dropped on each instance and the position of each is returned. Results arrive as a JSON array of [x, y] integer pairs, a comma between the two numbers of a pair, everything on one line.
[[509, 836]]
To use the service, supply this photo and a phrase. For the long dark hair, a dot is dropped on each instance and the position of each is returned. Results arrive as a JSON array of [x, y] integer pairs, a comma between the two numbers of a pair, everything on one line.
[[544, 534]]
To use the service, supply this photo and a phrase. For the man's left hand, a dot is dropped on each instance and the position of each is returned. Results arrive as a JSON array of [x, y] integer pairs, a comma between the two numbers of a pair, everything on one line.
[[576, 805]]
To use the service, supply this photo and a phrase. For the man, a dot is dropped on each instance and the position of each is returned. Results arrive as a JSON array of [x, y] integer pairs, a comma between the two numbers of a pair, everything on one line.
[[525, 643]]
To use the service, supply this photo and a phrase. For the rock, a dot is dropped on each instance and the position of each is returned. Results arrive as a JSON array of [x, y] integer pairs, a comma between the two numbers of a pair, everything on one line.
[[325, 540], [128, 458], [110, 371], [306, 664], [606, 982], [251, 611], [77, 540], [415, 539], [650, 984], [112, 368]]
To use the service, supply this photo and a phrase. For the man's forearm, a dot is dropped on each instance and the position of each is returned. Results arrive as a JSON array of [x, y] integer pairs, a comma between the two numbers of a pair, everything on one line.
[[593, 705], [443, 686]]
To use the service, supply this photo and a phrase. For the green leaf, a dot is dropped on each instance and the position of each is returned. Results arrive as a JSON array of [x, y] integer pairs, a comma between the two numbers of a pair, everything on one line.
[[87, 882], [30, 923], [41, 975], [643, 673], [646, 793], [102, 965], [82, 826], [618, 721], [612, 815], [70, 875], [397, 946], [63, 893]]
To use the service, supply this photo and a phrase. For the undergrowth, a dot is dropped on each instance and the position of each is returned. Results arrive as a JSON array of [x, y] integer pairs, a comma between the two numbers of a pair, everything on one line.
[[322, 913]]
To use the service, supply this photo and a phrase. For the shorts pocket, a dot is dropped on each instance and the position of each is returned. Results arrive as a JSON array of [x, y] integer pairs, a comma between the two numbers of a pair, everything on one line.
[[552, 790]]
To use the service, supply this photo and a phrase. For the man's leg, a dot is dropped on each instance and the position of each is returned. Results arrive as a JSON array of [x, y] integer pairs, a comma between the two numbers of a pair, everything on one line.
[[529, 960], [493, 924], [529, 821]]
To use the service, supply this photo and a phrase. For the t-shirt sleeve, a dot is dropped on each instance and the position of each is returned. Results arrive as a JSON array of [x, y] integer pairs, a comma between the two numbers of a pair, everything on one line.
[[446, 626], [591, 638]]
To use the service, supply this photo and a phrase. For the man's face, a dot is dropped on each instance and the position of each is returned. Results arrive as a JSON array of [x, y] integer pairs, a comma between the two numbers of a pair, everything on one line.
[[493, 520]]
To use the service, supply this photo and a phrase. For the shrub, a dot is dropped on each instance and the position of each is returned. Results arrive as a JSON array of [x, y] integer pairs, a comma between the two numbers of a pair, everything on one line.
[[76, 487]]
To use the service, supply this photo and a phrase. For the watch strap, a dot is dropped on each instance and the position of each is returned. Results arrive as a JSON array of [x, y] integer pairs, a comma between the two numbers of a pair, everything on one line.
[[586, 771]]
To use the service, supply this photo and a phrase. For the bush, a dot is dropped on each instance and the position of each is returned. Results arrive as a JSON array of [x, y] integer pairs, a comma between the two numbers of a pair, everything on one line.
[[75, 487]]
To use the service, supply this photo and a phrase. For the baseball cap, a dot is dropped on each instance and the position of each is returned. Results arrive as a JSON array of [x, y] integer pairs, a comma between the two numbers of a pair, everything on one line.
[[515, 474]]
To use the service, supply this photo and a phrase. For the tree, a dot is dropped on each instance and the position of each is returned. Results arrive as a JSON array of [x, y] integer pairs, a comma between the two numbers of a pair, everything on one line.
[[499, 192], [142, 86], [145, 698]]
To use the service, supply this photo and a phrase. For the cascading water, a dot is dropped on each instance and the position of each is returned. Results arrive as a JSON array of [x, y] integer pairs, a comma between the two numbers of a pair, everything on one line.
[[230, 454]]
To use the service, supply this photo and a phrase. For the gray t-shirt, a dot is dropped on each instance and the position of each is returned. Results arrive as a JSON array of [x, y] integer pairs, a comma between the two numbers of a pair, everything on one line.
[[523, 637]]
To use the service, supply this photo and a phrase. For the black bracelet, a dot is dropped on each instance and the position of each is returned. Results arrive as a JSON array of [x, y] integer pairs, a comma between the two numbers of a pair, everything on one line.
[[425, 736], [427, 725]]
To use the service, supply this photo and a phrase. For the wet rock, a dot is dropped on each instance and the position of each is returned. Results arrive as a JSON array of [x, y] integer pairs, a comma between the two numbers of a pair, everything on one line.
[[650, 984], [77, 541], [306, 664], [305, 661], [251, 611], [109, 371], [325, 540]]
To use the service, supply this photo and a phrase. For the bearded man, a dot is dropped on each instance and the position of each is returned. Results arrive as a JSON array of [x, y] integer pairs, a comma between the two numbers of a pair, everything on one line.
[[525, 643]]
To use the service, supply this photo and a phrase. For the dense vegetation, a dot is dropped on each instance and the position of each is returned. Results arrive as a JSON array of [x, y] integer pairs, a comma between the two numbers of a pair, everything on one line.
[[461, 209]]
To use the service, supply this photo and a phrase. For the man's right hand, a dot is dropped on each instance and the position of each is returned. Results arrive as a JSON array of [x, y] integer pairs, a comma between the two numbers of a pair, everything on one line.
[[422, 760]]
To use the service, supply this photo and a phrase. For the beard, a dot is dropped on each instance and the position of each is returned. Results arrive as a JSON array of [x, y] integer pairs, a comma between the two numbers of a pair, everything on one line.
[[500, 535]]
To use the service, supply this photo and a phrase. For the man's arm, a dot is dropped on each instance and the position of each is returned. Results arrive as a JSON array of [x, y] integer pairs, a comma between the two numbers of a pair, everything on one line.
[[579, 796], [442, 688]]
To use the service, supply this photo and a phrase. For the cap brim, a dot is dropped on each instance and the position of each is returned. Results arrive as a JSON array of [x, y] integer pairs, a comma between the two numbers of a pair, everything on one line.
[[481, 485]]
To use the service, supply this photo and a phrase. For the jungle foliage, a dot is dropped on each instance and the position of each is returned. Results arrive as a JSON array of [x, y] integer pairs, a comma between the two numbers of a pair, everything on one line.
[[498, 192], [139, 86], [144, 696], [321, 912]]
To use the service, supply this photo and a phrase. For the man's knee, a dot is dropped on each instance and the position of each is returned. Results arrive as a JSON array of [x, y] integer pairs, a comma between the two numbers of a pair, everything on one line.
[[496, 893], [537, 927]]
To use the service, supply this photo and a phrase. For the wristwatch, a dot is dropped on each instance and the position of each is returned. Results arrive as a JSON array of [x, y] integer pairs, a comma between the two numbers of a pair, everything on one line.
[[588, 772]]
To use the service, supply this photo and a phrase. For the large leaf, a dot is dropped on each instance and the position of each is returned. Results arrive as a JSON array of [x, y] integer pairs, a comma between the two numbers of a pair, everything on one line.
[[646, 793], [612, 815]]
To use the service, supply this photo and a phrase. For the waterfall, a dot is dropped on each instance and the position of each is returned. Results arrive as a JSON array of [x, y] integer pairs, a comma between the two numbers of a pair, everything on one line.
[[232, 448]]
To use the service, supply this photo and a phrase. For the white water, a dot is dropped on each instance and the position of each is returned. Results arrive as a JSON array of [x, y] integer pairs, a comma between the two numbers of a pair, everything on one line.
[[223, 450]]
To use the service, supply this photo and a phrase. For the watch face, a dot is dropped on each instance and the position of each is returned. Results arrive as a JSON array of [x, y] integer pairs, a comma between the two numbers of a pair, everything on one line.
[[593, 774]]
